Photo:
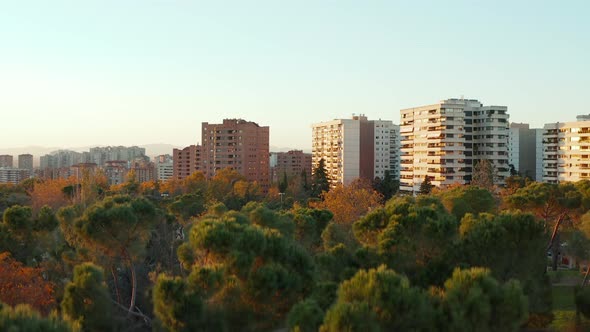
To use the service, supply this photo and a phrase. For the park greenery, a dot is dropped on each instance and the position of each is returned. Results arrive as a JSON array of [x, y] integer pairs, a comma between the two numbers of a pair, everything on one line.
[[224, 254]]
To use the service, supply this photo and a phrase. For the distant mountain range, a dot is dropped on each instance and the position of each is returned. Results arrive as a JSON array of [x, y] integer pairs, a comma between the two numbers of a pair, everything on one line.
[[151, 150]]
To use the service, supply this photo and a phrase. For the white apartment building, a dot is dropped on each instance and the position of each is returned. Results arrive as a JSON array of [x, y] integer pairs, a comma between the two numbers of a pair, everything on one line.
[[539, 153], [355, 148], [443, 141], [566, 153], [164, 167]]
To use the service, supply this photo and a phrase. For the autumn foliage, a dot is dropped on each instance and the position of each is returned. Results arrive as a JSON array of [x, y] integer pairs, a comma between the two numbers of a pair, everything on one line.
[[24, 285], [349, 203]]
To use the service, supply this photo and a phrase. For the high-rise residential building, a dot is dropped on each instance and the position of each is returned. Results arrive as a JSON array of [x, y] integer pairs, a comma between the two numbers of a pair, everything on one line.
[[6, 160], [25, 161], [100, 155], [13, 175], [539, 154], [61, 159], [386, 144], [522, 150], [566, 153], [291, 163], [355, 148], [164, 167], [444, 141], [238, 144], [186, 161]]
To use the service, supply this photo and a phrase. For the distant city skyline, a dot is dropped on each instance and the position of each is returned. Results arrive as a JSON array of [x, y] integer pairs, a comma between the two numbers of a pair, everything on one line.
[[137, 72]]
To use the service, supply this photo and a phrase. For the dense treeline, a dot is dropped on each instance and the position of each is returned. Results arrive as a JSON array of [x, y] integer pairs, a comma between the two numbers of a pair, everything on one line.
[[221, 255]]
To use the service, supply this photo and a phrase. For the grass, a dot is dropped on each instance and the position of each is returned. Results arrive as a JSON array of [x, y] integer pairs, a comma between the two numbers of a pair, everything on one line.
[[563, 298]]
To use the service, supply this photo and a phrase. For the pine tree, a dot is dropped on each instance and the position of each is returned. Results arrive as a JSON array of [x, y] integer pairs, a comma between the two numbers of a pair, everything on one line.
[[283, 184], [426, 186], [320, 182]]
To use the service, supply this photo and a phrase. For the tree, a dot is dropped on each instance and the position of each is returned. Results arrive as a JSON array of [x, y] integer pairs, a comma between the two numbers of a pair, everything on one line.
[[552, 203], [461, 200], [379, 299], [187, 206], [426, 186], [283, 183], [483, 175], [306, 316], [116, 228], [86, 302], [24, 285], [387, 186], [320, 181], [23, 318], [348, 203], [179, 304], [472, 300], [261, 271], [51, 193], [412, 235], [490, 241]]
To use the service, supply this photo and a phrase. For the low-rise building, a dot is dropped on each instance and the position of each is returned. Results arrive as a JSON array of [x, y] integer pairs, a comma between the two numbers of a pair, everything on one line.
[[116, 171], [291, 163], [13, 175]]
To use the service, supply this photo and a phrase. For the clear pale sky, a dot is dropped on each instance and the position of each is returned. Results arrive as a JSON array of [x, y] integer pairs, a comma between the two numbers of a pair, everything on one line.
[[76, 73]]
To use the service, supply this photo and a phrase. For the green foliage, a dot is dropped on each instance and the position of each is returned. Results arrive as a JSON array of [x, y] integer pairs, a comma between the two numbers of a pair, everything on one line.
[[324, 294], [19, 220], [306, 316], [260, 215], [379, 299], [320, 181], [176, 310], [546, 200], [284, 183], [11, 195], [263, 272], [387, 186], [188, 206], [86, 300], [462, 200], [117, 226], [426, 186], [24, 319], [491, 241], [46, 220], [414, 236], [474, 301], [309, 226]]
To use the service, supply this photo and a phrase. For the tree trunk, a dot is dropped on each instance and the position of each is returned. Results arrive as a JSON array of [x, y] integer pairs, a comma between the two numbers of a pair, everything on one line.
[[554, 242], [586, 276], [116, 284], [133, 284], [555, 230], [555, 252]]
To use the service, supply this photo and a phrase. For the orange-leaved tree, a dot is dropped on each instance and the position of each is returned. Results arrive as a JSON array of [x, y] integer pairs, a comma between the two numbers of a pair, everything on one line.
[[20, 284], [349, 203]]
